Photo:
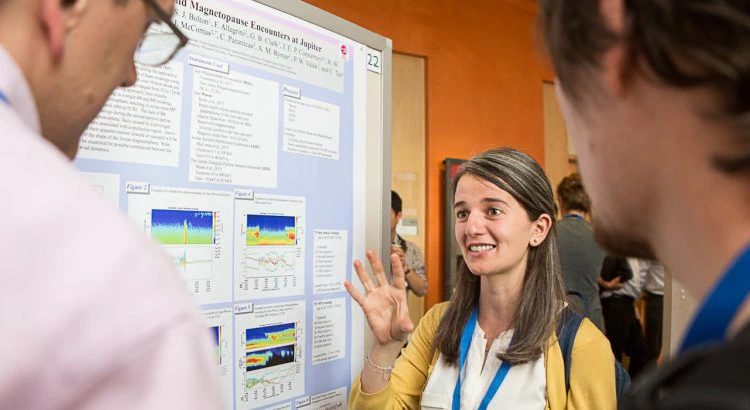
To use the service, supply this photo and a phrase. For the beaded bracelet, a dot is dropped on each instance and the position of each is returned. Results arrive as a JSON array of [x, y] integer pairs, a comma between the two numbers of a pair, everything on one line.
[[385, 371]]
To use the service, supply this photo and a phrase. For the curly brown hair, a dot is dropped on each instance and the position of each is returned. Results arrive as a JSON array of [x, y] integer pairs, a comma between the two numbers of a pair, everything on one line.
[[572, 194]]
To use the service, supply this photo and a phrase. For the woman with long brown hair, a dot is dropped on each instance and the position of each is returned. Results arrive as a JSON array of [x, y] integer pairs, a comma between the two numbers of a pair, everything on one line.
[[494, 345]]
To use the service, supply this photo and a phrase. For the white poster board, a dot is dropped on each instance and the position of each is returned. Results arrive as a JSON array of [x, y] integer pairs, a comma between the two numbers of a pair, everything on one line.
[[246, 158]]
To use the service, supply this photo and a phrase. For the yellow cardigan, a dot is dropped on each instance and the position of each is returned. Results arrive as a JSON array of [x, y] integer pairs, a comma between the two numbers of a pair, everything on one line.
[[592, 371]]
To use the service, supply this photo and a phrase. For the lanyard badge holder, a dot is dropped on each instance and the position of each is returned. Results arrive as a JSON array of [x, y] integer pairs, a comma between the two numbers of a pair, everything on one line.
[[497, 381]]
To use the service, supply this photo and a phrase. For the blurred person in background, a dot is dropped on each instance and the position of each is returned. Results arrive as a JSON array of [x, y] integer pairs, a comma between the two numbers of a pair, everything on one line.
[[580, 256]]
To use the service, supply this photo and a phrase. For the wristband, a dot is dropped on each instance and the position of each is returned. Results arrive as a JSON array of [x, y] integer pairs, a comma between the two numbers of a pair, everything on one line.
[[383, 370]]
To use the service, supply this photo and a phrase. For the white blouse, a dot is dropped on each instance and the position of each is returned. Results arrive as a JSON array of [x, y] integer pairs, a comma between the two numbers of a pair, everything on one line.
[[524, 388]]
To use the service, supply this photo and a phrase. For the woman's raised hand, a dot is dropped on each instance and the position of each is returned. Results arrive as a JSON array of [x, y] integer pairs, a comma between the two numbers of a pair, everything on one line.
[[384, 305]]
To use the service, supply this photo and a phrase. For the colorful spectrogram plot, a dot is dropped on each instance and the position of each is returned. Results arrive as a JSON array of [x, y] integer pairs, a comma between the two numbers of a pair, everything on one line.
[[178, 227], [263, 359], [216, 338], [270, 336], [271, 230]]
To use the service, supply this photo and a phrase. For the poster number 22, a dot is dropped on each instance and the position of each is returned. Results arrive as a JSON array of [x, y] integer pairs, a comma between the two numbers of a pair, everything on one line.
[[374, 61]]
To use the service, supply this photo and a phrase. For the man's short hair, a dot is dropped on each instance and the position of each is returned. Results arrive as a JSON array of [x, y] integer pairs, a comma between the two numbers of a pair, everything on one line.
[[683, 44], [572, 194], [396, 203]]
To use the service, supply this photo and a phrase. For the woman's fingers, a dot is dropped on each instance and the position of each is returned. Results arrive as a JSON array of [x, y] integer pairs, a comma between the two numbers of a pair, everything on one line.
[[358, 297], [377, 268], [399, 280], [363, 276], [401, 324], [407, 326]]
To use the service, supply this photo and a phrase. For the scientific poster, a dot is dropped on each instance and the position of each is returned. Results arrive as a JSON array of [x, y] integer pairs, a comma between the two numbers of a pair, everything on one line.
[[237, 159]]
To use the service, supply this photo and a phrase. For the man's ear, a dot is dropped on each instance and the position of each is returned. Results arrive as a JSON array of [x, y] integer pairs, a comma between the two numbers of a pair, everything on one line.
[[58, 18]]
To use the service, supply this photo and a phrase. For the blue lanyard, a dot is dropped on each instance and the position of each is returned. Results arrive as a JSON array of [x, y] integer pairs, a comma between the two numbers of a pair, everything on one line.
[[497, 381], [711, 323], [4, 98], [573, 216]]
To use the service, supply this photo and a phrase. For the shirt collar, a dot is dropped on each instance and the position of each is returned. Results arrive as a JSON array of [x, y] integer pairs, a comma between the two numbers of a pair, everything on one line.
[[16, 88]]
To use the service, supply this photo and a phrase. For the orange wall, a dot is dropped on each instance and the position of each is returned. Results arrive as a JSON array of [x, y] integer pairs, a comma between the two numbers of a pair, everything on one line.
[[484, 83]]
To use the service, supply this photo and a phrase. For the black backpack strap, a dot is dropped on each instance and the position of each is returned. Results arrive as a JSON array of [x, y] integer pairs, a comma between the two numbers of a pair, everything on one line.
[[567, 329]]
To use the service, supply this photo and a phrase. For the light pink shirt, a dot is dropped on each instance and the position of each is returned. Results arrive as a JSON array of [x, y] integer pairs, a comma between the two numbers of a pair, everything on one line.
[[92, 315]]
